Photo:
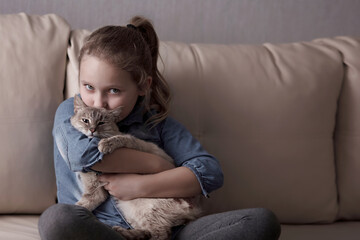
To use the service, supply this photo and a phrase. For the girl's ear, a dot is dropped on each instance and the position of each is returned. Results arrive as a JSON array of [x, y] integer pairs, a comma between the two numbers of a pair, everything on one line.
[[78, 103], [146, 87]]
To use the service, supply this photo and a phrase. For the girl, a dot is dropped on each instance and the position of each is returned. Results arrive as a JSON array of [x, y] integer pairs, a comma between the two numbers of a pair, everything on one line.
[[118, 67]]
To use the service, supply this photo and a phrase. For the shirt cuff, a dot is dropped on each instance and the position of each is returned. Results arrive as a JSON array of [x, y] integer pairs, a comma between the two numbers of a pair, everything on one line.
[[199, 177], [88, 167]]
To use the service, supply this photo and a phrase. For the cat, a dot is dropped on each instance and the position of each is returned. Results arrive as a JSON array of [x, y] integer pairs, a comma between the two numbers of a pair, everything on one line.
[[150, 217]]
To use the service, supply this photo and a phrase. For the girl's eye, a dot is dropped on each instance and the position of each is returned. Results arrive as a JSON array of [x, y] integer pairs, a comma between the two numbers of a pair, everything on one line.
[[85, 120], [88, 87], [114, 91]]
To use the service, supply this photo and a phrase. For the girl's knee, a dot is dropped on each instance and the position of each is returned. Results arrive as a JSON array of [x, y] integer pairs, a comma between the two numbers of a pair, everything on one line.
[[258, 223], [59, 213], [268, 223], [59, 219]]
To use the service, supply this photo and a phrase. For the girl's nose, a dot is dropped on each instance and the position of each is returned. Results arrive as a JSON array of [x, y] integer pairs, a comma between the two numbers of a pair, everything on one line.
[[100, 102]]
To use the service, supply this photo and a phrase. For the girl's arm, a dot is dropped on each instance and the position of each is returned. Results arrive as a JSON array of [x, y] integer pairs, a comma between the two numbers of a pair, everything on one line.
[[125, 160], [197, 171], [177, 182]]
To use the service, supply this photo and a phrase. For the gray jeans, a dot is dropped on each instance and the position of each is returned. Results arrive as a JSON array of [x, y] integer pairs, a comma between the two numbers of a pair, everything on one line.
[[63, 221]]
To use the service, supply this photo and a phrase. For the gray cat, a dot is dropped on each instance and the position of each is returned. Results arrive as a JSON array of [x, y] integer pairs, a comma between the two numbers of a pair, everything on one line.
[[150, 217]]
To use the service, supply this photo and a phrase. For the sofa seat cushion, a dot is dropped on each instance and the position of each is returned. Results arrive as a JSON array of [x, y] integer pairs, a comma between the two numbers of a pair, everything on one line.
[[335, 231], [24, 227], [19, 227]]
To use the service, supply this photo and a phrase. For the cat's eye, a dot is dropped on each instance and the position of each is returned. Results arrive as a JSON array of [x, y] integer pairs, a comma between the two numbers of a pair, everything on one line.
[[101, 123], [85, 120]]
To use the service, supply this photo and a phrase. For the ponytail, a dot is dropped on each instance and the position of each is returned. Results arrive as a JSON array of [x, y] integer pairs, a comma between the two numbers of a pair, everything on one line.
[[159, 96]]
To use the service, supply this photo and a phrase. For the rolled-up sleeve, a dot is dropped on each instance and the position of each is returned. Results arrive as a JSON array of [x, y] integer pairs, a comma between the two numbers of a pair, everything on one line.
[[188, 152], [78, 151]]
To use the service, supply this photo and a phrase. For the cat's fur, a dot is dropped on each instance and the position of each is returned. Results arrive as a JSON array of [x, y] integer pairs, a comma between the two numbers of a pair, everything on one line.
[[150, 217]]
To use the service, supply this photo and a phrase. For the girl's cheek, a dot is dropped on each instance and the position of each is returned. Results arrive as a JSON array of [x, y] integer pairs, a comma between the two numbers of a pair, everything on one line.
[[86, 100], [84, 96]]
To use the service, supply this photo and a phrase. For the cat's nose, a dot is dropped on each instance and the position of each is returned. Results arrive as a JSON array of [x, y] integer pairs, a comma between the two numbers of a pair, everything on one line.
[[92, 130]]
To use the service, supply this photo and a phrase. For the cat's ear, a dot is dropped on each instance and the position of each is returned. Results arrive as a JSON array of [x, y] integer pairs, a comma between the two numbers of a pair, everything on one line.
[[117, 113], [78, 103]]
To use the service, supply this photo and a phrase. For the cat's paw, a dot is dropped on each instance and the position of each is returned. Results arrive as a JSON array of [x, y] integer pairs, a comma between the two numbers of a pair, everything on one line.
[[105, 146]]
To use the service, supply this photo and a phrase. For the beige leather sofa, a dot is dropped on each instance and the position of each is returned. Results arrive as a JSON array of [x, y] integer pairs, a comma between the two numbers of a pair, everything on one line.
[[284, 121]]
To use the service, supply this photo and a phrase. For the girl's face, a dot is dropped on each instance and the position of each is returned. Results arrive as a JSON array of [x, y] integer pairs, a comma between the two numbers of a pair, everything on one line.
[[104, 86]]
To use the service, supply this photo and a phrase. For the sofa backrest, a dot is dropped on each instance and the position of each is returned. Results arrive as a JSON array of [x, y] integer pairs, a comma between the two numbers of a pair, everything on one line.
[[347, 130], [268, 113], [284, 122], [32, 73], [283, 119]]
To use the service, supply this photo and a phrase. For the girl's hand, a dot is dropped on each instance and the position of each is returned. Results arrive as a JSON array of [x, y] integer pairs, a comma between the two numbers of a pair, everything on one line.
[[123, 186]]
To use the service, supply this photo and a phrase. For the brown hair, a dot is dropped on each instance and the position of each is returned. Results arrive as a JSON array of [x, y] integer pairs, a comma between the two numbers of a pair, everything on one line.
[[134, 49]]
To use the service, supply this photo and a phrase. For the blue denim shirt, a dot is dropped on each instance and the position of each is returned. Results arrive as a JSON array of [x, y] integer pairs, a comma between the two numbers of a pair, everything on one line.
[[74, 152]]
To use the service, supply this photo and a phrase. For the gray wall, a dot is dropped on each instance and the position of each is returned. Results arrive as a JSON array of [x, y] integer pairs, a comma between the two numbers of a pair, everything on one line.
[[210, 21]]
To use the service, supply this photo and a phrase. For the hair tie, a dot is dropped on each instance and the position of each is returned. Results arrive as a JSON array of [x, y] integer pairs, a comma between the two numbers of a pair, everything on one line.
[[131, 26]]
